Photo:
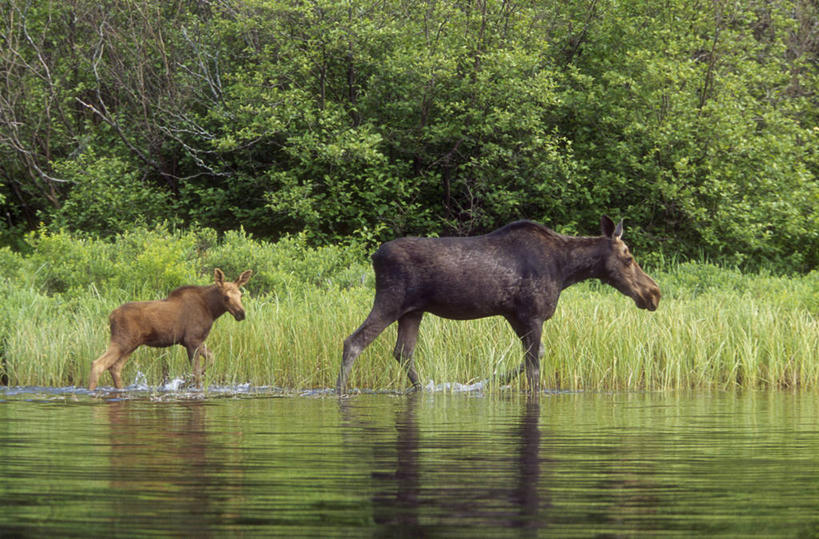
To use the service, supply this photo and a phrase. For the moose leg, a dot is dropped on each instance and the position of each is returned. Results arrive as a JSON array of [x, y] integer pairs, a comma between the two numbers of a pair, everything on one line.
[[116, 368], [405, 345], [529, 332], [376, 322], [194, 351], [531, 343], [511, 375], [102, 364], [208, 355]]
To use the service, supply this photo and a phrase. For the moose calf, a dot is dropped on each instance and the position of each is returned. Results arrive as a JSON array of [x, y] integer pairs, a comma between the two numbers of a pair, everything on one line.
[[184, 317]]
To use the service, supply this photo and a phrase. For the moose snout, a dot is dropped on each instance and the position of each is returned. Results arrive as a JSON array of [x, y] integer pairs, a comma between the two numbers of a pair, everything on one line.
[[650, 300], [646, 294], [239, 315]]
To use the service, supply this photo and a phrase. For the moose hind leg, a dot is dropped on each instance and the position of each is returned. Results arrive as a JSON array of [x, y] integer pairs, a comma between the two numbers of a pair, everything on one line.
[[376, 322], [408, 326], [116, 368], [102, 364]]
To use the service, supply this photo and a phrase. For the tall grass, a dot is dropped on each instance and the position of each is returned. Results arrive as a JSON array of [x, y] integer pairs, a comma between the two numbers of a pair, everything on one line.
[[715, 328]]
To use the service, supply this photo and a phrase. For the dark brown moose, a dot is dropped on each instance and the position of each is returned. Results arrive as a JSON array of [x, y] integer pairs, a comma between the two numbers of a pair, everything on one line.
[[184, 317], [517, 272]]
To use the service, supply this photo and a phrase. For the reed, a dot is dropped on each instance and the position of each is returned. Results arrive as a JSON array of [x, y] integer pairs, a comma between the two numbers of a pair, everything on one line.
[[596, 340], [715, 329]]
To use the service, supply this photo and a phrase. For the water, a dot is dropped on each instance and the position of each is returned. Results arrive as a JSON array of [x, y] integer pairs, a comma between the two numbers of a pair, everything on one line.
[[258, 462]]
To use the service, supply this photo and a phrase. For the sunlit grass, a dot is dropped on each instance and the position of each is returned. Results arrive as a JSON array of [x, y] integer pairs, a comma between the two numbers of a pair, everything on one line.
[[718, 340], [715, 329], [596, 340]]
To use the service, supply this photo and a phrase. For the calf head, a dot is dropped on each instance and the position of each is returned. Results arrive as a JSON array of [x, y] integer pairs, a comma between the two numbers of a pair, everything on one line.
[[232, 292], [622, 271]]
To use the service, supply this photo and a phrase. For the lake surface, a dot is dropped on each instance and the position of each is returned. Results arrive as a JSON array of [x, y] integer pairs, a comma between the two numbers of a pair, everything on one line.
[[256, 462]]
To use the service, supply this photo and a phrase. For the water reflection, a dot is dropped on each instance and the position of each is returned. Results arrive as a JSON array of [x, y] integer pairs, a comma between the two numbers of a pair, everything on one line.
[[527, 495], [431, 482], [398, 493], [426, 465], [163, 462]]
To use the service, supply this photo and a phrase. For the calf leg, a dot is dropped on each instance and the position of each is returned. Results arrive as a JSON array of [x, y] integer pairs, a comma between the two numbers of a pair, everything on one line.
[[376, 322], [103, 363], [116, 368], [408, 326], [194, 351], [208, 355]]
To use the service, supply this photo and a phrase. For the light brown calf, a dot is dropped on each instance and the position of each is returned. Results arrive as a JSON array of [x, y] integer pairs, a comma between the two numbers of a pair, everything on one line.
[[184, 317]]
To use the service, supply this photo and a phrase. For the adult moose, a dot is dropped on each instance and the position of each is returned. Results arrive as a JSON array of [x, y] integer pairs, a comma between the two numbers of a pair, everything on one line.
[[517, 272], [184, 317]]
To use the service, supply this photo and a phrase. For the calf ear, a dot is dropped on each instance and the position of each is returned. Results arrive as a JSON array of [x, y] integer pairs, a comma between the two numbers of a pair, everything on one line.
[[607, 226], [219, 277], [244, 278], [618, 231]]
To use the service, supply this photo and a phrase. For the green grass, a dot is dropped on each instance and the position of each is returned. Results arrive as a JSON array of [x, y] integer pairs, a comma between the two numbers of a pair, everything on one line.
[[715, 328]]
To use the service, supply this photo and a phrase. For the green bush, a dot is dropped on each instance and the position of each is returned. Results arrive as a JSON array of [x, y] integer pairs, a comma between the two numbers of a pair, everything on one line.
[[149, 262], [107, 197], [154, 260], [287, 263]]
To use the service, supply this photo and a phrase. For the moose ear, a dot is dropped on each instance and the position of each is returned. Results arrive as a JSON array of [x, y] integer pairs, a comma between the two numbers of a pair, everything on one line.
[[244, 278], [607, 226], [609, 230], [218, 276]]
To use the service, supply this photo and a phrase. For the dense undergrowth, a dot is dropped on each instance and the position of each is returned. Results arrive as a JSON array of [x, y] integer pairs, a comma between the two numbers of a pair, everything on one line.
[[715, 328]]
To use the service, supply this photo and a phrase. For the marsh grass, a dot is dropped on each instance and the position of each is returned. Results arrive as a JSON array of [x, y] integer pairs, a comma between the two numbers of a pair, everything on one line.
[[715, 328]]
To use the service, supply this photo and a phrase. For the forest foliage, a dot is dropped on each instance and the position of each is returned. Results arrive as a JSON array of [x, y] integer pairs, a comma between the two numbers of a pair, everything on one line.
[[697, 121]]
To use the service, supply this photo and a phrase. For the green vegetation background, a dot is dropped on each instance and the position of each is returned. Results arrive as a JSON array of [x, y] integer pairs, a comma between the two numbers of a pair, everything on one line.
[[715, 328], [143, 142], [695, 120]]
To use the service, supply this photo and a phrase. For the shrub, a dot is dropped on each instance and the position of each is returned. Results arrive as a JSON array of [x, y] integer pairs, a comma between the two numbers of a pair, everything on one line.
[[107, 197]]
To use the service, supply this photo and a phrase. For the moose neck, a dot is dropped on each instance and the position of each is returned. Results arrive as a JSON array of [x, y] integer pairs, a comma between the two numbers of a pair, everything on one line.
[[213, 299], [583, 259]]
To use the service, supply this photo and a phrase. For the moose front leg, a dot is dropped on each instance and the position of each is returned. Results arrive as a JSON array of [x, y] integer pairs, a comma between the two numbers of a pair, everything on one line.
[[194, 353], [529, 331], [208, 355], [532, 346]]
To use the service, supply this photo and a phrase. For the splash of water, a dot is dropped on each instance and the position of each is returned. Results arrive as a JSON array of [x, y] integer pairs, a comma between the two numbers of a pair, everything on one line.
[[454, 387], [140, 382], [173, 385]]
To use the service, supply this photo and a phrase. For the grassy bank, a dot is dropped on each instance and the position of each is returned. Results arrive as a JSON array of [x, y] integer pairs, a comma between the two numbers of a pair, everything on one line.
[[715, 328]]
